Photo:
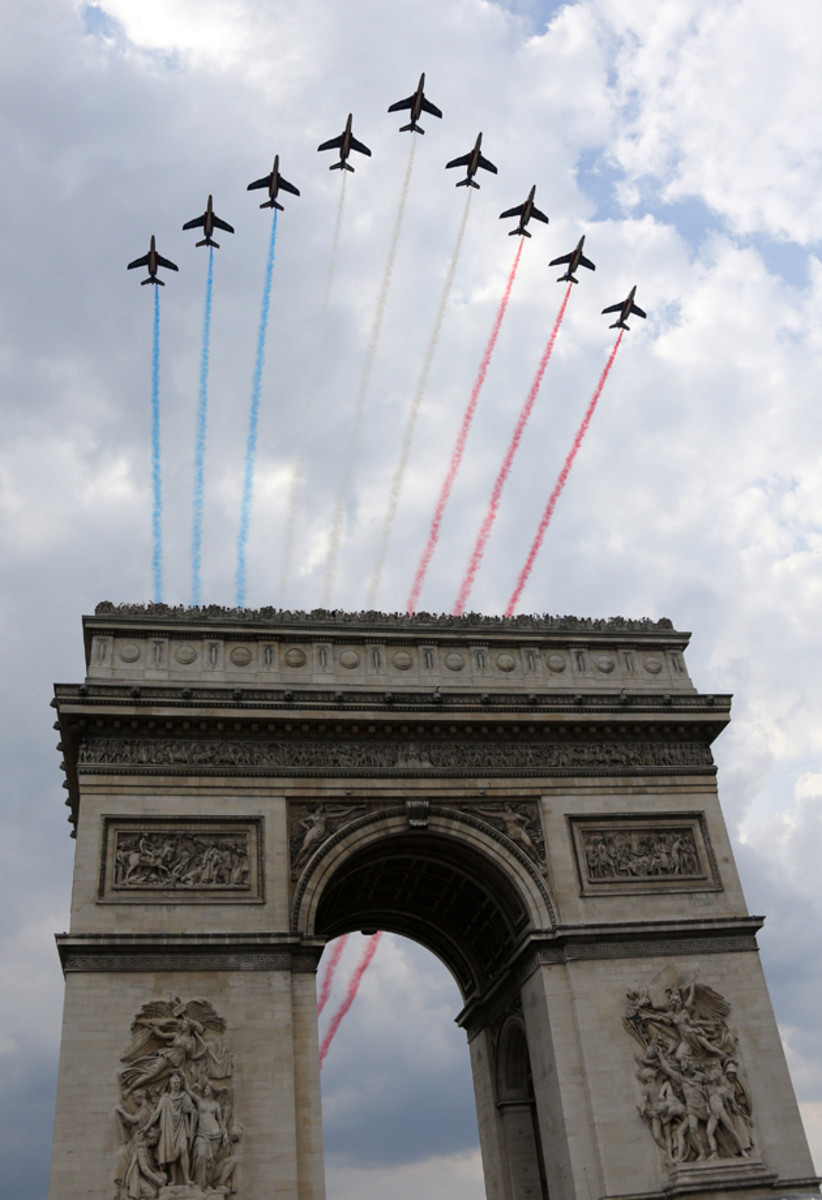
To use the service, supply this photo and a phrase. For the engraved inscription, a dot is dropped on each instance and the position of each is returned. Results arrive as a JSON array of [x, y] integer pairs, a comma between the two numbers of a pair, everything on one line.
[[692, 1098]]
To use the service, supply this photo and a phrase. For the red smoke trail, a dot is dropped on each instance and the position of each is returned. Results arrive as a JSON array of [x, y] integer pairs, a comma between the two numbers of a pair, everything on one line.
[[505, 469], [328, 977], [362, 967], [560, 484], [459, 448]]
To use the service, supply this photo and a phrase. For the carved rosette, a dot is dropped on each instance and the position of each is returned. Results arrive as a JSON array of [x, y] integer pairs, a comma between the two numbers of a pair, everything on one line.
[[176, 1111], [692, 1098]]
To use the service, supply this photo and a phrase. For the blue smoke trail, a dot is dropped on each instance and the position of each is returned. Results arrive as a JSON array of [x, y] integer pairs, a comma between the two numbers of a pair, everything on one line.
[[199, 446], [156, 478], [251, 444]]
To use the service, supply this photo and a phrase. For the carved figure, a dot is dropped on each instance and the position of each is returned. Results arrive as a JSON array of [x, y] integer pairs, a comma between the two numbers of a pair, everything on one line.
[[175, 1118], [692, 1099], [177, 1123], [313, 825], [181, 859], [640, 854], [516, 825]]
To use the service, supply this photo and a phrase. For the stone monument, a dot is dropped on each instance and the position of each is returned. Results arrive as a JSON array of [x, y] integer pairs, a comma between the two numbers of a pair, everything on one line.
[[534, 799]]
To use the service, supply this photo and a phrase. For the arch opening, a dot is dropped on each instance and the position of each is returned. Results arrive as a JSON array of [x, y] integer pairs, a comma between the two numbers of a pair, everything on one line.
[[439, 892]]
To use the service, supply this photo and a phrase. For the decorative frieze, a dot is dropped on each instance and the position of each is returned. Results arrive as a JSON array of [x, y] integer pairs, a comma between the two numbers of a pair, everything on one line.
[[176, 1113], [692, 1097], [361, 757], [181, 860], [635, 853]]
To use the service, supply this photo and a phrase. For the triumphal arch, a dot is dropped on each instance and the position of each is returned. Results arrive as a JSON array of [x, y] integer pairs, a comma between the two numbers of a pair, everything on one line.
[[534, 799]]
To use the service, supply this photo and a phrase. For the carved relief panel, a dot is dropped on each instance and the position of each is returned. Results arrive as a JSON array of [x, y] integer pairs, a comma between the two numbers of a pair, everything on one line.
[[176, 1114], [187, 860], [692, 1097], [635, 853]]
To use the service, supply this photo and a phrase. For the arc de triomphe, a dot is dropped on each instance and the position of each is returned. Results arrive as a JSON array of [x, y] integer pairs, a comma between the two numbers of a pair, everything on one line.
[[532, 799]]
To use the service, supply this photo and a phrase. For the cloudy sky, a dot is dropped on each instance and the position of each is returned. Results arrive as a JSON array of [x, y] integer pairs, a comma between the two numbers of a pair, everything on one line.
[[683, 139]]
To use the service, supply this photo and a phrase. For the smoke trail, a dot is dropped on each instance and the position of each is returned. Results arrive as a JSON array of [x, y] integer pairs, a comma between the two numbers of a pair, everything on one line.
[[362, 391], [200, 437], [156, 477], [328, 977], [298, 477], [505, 469], [459, 448], [251, 444], [560, 484], [359, 971], [411, 419]]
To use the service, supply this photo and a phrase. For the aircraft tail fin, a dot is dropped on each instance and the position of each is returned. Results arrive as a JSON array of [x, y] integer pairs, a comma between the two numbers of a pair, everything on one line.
[[468, 183], [341, 166], [618, 325], [413, 127], [208, 242], [272, 204]]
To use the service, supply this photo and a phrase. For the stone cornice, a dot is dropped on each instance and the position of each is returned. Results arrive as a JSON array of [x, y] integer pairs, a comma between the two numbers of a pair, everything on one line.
[[196, 952], [630, 939]]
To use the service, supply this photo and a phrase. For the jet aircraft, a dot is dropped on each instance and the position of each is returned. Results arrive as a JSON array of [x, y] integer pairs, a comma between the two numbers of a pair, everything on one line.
[[625, 308], [274, 182], [472, 161], [345, 143], [575, 260], [153, 261], [209, 221], [418, 105], [524, 211]]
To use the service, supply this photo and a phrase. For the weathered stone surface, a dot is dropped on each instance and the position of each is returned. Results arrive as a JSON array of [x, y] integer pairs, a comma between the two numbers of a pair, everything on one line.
[[534, 800]]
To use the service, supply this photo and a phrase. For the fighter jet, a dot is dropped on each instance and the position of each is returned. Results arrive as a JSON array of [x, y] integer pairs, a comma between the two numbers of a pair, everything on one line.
[[418, 104], [625, 308], [274, 182], [152, 261], [575, 260], [345, 143], [209, 221], [472, 162], [524, 211]]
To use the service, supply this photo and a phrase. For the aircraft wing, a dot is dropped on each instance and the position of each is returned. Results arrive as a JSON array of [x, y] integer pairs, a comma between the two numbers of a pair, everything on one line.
[[540, 216], [355, 145], [614, 308], [333, 144], [288, 187], [196, 223], [585, 262], [489, 166], [428, 107], [400, 104], [638, 311], [462, 161], [513, 212], [563, 258], [223, 224], [167, 263], [260, 183], [142, 262]]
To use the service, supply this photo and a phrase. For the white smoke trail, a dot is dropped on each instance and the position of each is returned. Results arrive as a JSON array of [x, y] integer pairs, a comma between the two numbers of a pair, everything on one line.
[[362, 391], [298, 477], [411, 419]]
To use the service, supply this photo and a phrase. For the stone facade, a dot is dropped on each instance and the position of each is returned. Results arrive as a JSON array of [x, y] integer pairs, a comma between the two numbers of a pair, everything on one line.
[[245, 786]]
